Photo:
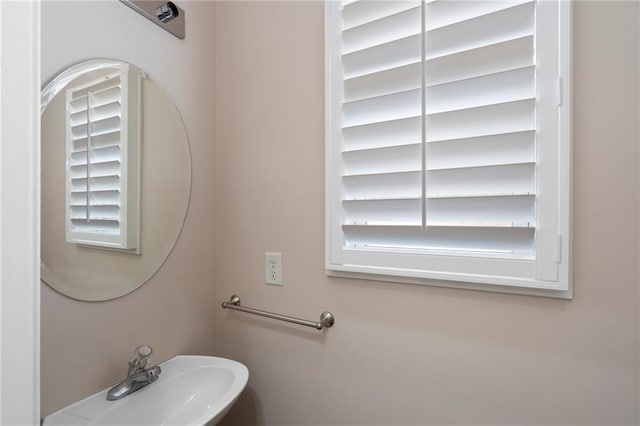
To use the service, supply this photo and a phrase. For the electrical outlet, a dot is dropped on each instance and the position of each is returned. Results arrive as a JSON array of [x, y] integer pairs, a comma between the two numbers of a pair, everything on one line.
[[273, 268]]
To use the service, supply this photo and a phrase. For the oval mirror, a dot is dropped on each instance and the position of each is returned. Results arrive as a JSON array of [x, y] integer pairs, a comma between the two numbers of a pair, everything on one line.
[[116, 179]]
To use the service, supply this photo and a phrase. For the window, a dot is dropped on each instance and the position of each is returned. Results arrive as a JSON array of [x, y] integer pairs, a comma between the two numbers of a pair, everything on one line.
[[448, 143], [103, 143]]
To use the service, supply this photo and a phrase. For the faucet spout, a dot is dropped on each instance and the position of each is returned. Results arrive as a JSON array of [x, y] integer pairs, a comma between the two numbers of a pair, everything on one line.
[[134, 383]]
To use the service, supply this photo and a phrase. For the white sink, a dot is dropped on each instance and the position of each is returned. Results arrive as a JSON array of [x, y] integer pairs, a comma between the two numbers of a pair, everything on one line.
[[191, 390]]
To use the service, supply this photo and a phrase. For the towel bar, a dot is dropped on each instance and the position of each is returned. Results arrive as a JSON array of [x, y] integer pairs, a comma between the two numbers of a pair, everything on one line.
[[326, 318]]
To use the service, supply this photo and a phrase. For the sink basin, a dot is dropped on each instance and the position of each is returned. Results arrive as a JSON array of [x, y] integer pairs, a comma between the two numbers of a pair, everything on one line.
[[192, 390]]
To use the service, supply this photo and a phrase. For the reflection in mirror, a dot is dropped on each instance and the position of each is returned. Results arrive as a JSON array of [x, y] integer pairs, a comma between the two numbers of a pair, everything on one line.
[[116, 178], [102, 155]]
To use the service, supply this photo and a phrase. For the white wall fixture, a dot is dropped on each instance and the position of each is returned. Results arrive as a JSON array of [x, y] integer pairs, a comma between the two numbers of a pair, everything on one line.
[[19, 213], [448, 141], [103, 160], [273, 268]]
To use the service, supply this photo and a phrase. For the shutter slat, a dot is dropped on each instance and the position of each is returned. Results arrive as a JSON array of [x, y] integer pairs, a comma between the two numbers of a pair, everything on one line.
[[99, 127], [383, 57], [374, 135], [79, 131], [381, 173], [107, 96], [480, 195], [397, 222], [78, 118], [349, 200], [450, 212], [78, 145], [382, 160], [385, 30], [98, 87], [106, 140], [462, 224], [109, 168], [442, 239], [106, 154], [98, 184], [97, 191], [441, 14], [493, 89], [396, 106], [494, 58], [109, 110], [362, 12], [398, 212], [517, 178], [495, 119], [98, 204], [405, 184], [96, 212], [99, 166], [498, 26], [78, 158], [482, 151], [104, 212], [78, 105], [382, 122], [77, 172], [104, 126], [97, 226], [516, 211], [96, 198], [469, 51], [395, 80], [109, 155], [476, 166]]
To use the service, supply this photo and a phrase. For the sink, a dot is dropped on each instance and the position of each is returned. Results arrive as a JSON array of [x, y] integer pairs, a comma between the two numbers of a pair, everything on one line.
[[192, 390]]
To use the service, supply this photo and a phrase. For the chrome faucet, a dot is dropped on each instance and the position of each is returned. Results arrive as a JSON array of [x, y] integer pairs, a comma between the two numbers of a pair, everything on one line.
[[138, 375]]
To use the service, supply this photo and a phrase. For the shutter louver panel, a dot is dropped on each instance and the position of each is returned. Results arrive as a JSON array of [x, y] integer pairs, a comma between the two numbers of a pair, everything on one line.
[[381, 114], [447, 134], [481, 89], [479, 93], [102, 146]]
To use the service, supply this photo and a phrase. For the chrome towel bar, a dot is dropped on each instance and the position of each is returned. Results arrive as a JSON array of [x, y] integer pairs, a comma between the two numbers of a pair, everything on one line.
[[326, 318]]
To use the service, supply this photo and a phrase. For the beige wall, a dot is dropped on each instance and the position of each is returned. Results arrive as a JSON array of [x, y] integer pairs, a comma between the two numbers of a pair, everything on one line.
[[85, 346], [402, 354], [399, 354]]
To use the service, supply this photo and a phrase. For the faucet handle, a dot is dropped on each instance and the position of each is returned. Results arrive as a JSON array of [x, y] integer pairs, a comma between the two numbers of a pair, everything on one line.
[[140, 358], [143, 352]]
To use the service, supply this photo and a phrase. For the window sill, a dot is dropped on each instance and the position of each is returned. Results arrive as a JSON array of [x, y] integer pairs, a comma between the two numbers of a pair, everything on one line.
[[533, 287]]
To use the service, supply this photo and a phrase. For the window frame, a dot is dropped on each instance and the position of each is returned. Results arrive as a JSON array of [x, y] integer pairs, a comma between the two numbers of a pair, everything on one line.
[[127, 240], [557, 243]]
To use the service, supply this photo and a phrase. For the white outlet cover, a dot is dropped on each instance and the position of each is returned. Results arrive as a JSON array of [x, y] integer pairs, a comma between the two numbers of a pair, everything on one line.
[[273, 268]]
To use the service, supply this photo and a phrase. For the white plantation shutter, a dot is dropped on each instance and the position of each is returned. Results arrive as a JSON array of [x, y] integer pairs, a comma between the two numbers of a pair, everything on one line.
[[103, 161], [443, 140]]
